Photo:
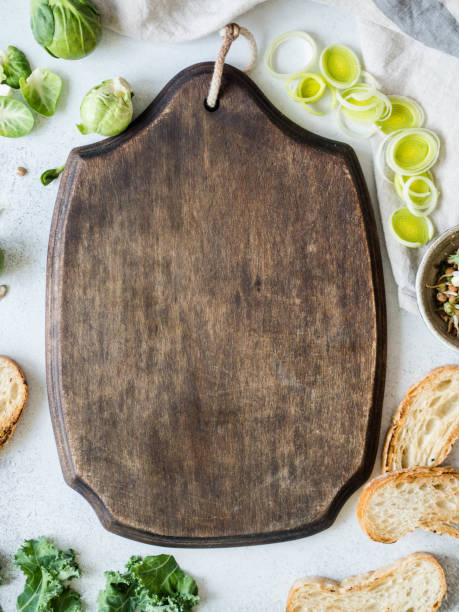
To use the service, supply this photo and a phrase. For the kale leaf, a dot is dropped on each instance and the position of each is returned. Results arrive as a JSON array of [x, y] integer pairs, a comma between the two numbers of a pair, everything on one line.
[[153, 584], [46, 568]]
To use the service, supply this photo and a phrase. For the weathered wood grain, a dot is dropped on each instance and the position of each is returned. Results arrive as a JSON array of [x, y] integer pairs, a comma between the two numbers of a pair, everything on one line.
[[215, 322]]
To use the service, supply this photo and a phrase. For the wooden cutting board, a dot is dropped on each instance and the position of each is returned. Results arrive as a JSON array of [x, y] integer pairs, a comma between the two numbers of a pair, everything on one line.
[[216, 335]]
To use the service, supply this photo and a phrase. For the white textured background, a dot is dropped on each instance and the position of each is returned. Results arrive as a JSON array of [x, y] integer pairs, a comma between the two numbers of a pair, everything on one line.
[[34, 499]]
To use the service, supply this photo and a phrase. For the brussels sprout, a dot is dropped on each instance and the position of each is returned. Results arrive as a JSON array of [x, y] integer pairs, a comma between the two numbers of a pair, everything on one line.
[[41, 91], [69, 29], [13, 66], [107, 108], [15, 118]]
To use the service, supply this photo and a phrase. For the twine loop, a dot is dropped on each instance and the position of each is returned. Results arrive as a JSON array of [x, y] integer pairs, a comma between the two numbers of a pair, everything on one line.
[[229, 33]]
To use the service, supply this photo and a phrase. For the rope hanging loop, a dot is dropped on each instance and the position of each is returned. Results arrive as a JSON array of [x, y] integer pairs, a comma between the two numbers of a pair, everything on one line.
[[229, 33]]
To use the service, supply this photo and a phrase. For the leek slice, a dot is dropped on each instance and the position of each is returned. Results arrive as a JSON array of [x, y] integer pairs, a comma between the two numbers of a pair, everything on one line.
[[363, 103], [350, 132], [340, 66], [406, 113], [368, 79], [428, 204], [410, 230], [419, 190], [277, 42], [412, 151], [310, 88]]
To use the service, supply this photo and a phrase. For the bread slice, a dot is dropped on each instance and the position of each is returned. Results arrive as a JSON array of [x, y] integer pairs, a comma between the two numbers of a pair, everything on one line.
[[13, 397], [397, 503], [426, 423], [415, 583]]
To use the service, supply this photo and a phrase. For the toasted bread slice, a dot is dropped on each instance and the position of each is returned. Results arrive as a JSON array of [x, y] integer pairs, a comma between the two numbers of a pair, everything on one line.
[[13, 397], [397, 503], [426, 423], [415, 583]]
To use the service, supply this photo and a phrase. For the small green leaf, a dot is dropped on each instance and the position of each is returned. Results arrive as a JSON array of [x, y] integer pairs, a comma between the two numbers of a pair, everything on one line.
[[455, 258], [15, 118], [50, 175], [14, 65], [41, 91], [162, 575]]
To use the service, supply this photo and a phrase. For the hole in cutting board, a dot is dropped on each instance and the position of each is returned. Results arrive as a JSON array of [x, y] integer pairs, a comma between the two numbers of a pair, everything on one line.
[[209, 108]]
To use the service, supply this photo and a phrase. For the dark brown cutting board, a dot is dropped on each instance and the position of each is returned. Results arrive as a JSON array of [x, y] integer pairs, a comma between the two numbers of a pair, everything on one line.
[[216, 333]]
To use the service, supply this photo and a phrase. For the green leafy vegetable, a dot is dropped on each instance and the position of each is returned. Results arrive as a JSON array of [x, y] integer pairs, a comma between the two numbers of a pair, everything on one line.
[[107, 108], [50, 175], [455, 258], [15, 118], [153, 584], [69, 29], [46, 569], [41, 91], [13, 66], [2, 265]]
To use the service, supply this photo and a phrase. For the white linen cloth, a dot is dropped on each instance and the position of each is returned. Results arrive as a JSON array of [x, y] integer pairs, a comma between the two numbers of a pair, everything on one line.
[[405, 66], [401, 65]]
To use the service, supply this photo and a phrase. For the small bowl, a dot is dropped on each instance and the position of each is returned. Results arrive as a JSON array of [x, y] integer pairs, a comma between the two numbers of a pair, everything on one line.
[[446, 244]]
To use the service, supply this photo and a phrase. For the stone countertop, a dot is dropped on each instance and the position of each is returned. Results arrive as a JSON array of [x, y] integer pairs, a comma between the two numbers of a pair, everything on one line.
[[34, 498]]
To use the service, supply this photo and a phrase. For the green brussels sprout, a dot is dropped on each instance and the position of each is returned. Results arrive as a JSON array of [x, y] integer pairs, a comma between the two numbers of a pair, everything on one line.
[[15, 118], [69, 29], [13, 66], [107, 108], [41, 91]]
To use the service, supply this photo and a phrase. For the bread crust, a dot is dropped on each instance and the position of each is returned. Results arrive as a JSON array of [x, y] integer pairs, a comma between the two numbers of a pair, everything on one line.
[[7, 427], [407, 475], [400, 416], [361, 581]]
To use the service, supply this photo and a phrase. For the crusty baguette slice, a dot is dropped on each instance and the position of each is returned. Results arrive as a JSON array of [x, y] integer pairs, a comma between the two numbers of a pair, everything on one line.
[[426, 423], [397, 503], [415, 583], [13, 397]]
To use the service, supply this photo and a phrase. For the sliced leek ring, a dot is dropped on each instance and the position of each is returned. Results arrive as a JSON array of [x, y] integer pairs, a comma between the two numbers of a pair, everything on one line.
[[405, 113], [340, 66], [410, 230], [428, 205], [271, 51], [419, 190], [342, 123], [310, 87], [363, 109], [412, 151], [369, 79]]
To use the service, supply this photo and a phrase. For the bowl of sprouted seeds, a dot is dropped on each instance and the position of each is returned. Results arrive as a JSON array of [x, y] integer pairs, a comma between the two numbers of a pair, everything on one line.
[[437, 287]]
